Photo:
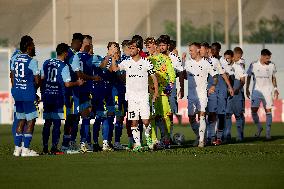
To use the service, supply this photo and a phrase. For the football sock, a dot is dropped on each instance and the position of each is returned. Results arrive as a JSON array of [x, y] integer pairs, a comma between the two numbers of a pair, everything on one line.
[[56, 132], [256, 120], [46, 133], [202, 128], [118, 131], [136, 135]]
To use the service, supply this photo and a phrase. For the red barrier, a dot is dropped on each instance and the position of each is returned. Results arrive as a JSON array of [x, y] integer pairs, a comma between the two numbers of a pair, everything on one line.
[[276, 112]]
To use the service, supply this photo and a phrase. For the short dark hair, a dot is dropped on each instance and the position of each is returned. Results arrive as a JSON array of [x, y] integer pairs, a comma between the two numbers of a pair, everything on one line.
[[87, 37], [266, 52], [61, 48], [112, 43], [25, 42], [137, 41], [216, 44], [173, 45], [125, 43], [229, 52], [195, 44], [164, 39], [150, 40], [205, 44], [78, 36], [238, 50]]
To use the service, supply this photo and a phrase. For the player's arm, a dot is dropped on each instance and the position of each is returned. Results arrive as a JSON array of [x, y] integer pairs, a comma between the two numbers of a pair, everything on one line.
[[155, 83], [274, 82], [230, 88], [34, 67], [67, 78], [181, 82], [213, 86], [105, 61], [114, 67], [86, 77], [12, 78], [249, 74]]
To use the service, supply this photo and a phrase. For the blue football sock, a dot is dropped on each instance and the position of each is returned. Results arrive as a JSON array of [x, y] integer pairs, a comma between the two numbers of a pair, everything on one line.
[[27, 139], [105, 129], [111, 127], [18, 139], [74, 129], [118, 131], [66, 140], [96, 129], [46, 133], [56, 132], [14, 127], [85, 128]]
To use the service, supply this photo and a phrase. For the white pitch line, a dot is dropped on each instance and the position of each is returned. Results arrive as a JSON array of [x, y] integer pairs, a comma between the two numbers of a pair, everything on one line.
[[251, 144]]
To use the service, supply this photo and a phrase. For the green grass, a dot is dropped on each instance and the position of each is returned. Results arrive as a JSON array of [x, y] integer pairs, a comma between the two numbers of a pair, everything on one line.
[[251, 164]]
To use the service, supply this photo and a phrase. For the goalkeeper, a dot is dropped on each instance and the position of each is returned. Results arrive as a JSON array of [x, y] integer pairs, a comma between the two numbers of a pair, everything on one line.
[[166, 77]]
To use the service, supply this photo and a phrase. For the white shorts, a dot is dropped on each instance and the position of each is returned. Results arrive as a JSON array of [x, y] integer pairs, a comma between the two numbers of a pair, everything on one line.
[[138, 108], [196, 105], [212, 103], [235, 105], [267, 101]]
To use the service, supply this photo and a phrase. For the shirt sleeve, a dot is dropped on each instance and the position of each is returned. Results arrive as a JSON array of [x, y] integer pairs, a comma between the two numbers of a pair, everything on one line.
[[122, 65], [249, 72], [171, 71], [75, 64], [218, 66], [150, 68], [212, 72], [11, 65], [34, 67], [66, 74], [177, 64], [96, 61], [42, 71], [239, 70]]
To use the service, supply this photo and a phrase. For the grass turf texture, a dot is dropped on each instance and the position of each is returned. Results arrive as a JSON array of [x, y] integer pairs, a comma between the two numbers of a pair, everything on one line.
[[250, 164]]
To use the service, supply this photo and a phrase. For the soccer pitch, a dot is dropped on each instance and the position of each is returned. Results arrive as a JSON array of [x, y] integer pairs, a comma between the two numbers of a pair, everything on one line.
[[251, 164]]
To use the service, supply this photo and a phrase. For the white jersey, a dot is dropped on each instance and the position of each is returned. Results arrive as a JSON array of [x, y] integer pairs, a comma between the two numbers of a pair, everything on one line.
[[238, 72], [137, 78], [197, 76], [216, 66], [222, 86], [177, 64], [242, 62], [262, 78]]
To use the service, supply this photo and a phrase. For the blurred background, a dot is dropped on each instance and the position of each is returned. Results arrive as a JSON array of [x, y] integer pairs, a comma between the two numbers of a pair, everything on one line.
[[251, 24]]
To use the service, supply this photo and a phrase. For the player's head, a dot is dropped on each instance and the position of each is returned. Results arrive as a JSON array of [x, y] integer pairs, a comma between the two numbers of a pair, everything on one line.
[[173, 47], [164, 43], [265, 56], [134, 48], [194, 50], [228, 55], [238, 53], [113, 48], [62, 51], [215, 49], [151, 45], [125, 47], [77, 41], [87, 43], [27, 45], [139, 41], [204, 47]]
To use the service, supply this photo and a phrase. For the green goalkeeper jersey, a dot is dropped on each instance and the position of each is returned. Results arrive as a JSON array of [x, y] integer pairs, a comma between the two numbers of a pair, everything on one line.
[[164, 70]]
